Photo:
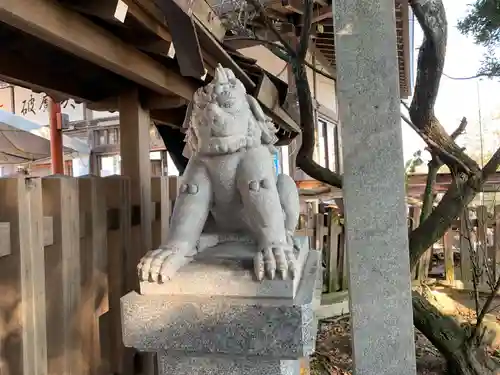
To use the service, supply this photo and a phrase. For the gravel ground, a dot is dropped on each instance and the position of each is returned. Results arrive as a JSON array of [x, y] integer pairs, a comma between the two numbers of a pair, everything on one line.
[[334, 356]]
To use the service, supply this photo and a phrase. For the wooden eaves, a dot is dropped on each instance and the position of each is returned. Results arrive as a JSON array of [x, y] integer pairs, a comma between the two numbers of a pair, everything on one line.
[[287, 14], [83, 50]]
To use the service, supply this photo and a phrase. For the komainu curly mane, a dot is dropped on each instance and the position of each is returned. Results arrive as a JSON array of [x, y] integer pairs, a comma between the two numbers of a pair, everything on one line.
[[206, 108]]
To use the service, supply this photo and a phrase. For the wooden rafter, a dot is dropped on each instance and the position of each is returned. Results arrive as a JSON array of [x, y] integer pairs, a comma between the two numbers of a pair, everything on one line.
[[110, 10], [323, 14], [185, 38], [73, 33]]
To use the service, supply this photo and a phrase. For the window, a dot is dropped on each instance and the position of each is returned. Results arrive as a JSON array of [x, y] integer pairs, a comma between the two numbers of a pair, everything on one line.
[[321, 150], [113, 136], [327, 148]]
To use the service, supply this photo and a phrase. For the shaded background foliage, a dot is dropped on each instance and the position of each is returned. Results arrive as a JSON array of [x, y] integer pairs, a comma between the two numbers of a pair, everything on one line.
[[483, 24]]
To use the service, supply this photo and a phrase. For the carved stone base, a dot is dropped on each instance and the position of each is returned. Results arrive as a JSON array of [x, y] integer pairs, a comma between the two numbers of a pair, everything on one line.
[[227, 270], [202, 334], [183, 365]]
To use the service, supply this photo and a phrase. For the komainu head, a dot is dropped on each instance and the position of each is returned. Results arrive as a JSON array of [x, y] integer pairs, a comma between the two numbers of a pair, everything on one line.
[[222, 118]]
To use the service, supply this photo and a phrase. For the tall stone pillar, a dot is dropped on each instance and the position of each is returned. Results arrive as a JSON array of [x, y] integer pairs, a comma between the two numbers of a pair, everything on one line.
[[374, 191]]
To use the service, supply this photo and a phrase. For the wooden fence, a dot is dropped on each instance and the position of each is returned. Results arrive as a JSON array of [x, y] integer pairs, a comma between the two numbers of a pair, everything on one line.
[[69, 249], [67, 255], [326, 234], [471, 245]]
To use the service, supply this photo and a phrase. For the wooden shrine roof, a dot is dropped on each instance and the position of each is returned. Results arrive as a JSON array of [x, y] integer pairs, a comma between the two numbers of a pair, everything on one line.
[[287, 14], [85, 50]]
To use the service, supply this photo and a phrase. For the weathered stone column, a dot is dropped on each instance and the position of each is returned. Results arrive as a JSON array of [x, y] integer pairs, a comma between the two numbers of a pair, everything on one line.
[[374, 193]]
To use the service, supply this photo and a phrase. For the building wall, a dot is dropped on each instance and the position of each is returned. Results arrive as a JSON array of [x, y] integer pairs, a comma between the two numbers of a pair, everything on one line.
[[324, 91], [325, 87], [34, 106]]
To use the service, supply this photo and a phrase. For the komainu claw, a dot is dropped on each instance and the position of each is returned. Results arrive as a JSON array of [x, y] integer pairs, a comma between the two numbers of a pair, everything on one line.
[[258, 265], [160, 265], [276, 259]]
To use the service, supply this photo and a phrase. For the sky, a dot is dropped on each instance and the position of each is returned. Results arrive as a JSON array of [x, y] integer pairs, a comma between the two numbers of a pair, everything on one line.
[[458, 98]]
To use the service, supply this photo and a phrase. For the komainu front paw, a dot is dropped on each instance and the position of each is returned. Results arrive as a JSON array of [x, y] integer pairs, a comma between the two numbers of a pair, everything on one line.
[[162, 264], [275, 259]]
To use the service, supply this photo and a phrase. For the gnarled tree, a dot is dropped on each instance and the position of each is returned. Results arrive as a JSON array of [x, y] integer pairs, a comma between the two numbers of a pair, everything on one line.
[[463, 355]]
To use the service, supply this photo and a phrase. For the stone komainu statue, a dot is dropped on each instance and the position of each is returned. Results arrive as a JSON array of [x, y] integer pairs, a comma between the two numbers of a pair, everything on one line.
[[229, 185]]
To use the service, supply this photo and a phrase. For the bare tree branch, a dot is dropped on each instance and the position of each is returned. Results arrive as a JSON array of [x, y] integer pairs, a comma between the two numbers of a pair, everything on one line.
[[269, 24], [460, 130], [484, 311], [305, 34], [307, 121], [307, 124], [434, 165], [435, 147], [455, 199], [432, 18], [279, 46]]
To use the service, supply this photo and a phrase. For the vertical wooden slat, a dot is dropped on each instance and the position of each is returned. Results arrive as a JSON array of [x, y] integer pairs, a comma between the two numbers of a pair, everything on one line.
[[496, 241], [160, 197], [122, 271], [62, 269], [310, 223], [4, 239], [344, 276], [23, 339], [423, 265], [319, 231], [174, 182], [465, 247], [482, 247], [334, 229], [135, 123], [93, 252], [448, 257], [414, 223]]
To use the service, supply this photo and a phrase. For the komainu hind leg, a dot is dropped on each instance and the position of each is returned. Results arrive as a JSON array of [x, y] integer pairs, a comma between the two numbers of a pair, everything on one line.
[[256, 182], [289, 199]]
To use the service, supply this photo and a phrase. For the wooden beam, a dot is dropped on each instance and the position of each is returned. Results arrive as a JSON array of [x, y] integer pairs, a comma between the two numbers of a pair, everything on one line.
[[55, 94], [106, 105], [324, 14], [221, 56], [327, 113], [42, 75], [185, 38], [296, 6], [172, 116], [322, 59], [205, 15], [135, 123], [210, 35], [110, 10], [201, 10], [150, 101], [73, 33], [267, 94], [147, 20], [237, 43], [153, 102], [159, 47]]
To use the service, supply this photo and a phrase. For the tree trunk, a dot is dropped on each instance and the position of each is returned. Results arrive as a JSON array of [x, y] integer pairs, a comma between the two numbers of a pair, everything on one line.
[[450, 339]]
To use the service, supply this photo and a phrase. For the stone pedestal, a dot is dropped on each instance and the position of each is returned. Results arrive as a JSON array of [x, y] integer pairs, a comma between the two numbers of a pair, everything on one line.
[[217, 331]]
